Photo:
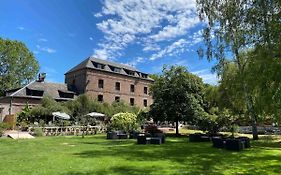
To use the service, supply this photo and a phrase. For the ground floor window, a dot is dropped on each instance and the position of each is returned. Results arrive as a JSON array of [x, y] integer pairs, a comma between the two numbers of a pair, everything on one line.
[[145, 102], [132, 101], [100, 98], [117, 99]]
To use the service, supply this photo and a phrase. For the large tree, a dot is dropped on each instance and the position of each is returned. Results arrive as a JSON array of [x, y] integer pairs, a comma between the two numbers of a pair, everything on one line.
[[18, 65], [177, 96], [263, 79], [235, 25]]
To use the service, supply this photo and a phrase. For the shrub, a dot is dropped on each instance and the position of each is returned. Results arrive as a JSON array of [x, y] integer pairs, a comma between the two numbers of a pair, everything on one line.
[[215, 121], [124, 121], [152, 129], [3, 127], [38, 132]]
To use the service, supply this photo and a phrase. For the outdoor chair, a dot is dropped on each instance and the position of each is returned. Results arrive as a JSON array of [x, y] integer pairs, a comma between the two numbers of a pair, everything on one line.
[[234, 144], [111, 135], [245, 141], [198, 137], [134, 134], [161, 136], [156, 140], [121, 135], [218, 142], [141, 139]]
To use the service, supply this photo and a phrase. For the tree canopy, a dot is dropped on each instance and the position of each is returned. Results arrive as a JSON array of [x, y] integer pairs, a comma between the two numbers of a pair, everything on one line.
[[177, 95], [18, 65], [232, 27]]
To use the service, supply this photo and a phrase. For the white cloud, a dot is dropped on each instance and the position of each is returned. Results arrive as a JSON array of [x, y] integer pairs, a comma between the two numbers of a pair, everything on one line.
[[184, 22], [97, 15], [207, 76], [91, 38], [135, 61], [49, 50], [44, 49], [36, 52], [197, 37], [171, 50], [42, 40], [101, 54], [151, 47], [20, 28], [144, 22]]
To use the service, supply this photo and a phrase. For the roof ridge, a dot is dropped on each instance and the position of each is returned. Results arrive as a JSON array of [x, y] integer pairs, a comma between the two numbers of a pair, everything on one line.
[[81, 65], [114, 64]]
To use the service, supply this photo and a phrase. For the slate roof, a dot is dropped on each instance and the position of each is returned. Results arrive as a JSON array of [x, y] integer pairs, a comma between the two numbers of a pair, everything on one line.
[[49, 89], [108, 66]]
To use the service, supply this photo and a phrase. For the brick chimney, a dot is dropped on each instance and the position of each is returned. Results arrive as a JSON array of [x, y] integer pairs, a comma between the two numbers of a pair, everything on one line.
[[41, 77]]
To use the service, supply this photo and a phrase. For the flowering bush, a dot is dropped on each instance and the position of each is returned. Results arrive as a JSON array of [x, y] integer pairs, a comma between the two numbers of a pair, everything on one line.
[[124, 121]]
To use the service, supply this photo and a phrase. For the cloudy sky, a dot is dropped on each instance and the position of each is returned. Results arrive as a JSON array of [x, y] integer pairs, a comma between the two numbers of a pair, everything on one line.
[[145, 34]]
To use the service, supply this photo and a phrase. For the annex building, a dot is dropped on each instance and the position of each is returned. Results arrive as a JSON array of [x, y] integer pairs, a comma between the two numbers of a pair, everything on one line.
[[32, 94]]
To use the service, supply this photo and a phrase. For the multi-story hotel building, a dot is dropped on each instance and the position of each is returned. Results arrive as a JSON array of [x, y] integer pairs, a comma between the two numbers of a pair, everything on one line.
[[108, 82]]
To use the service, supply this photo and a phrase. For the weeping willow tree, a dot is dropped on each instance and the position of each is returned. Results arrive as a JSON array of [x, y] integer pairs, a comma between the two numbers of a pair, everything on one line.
[[235, 25]]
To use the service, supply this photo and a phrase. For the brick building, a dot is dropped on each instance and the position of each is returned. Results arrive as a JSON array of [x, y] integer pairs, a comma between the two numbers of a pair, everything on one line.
[[108, 82], [32, 94]]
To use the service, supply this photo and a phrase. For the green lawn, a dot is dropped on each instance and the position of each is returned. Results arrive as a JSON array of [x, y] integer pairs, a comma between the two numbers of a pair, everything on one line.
[[96, 155]]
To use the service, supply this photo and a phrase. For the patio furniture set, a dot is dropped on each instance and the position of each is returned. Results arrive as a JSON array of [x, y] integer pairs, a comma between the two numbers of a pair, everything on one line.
[[235, 144], [156, 138], [142, 138]]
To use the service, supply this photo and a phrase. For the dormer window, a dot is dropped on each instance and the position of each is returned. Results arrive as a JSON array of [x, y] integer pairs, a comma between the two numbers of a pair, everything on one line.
[[144, 75], [129, 72], [34, 92], [98, 65], [115, 69], [118, 70], [66, 94]]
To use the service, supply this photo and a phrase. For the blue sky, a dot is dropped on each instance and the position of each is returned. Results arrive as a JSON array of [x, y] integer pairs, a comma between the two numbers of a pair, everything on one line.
[[146, 34]]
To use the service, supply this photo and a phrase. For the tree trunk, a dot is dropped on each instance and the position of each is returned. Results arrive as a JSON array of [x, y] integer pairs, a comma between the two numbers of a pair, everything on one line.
[[250, 109], [248, 100], [254, 128], [177, 128]]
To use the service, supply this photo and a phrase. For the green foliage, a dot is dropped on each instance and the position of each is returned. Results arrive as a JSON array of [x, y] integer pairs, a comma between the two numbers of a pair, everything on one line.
[[38, 132], [44, 111], [233, 26], [177, 94], [23, 116], [124, 121], [18, 65], [77, 109], [214, 121], [3, 127]]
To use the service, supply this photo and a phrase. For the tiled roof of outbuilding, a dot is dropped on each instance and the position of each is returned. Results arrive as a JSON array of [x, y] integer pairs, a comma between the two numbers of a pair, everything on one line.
[[48, 89]]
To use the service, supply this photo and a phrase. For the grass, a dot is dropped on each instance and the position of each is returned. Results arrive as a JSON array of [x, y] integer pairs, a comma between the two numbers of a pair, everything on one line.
[[96, 155]]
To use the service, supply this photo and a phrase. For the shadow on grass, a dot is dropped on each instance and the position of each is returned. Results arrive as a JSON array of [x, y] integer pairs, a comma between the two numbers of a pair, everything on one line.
[[185, 157]]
